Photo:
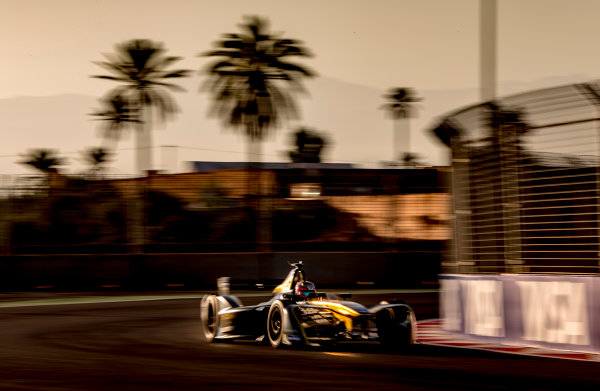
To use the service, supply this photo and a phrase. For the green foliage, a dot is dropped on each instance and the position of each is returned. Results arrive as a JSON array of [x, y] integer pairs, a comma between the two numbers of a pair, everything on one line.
[[502, 118], [170, 220], [247, 81], [117, 113], [316, 221], [399, 102], [141, 66], [96, 159], [44, 160], [309, 145], [80, 213]]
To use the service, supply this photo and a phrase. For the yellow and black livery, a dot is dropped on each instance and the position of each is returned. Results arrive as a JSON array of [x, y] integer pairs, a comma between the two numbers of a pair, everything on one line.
[[321, 319]]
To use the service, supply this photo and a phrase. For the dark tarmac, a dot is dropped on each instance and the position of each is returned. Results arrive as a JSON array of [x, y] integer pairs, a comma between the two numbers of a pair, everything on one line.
[[156, 345]]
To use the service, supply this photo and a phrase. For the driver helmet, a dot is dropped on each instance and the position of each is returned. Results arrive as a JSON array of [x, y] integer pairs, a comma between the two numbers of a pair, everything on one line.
[[304, 288]]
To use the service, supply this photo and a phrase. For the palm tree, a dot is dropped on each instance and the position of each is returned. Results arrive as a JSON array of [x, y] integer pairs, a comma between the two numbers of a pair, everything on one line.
[[117, 114], [96, 158], [308, 146], [502, 118], [44, 160], [250, 80], [140, 65], [251, 83], [400, 106]]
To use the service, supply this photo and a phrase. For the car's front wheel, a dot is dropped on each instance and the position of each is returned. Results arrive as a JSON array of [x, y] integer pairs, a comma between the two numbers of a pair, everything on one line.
[[394, 327], [208, 316], [275, 324]]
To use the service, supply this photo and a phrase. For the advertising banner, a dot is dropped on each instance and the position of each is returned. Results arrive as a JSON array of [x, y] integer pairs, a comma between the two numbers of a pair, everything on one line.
[[558, 312]]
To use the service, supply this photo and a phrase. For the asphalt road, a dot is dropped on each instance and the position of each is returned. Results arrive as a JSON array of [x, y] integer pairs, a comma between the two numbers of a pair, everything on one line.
[[156, 345]]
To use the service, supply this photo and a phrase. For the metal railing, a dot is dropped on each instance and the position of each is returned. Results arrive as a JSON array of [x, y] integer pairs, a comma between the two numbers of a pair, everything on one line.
[[526, 172]]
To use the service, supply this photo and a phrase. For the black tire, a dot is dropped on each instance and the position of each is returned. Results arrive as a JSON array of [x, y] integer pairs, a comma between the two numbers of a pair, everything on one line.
[[208, 316], [394, 335], [275, 324]]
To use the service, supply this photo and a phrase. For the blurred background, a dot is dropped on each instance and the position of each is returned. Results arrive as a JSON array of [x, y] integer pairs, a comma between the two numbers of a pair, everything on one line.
[[136, 155]]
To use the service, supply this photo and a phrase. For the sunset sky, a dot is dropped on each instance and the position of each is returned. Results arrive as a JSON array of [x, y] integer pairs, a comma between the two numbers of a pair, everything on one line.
[[48, 49]]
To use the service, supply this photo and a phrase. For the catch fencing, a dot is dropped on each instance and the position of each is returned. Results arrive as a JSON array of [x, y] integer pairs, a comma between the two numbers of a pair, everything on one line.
[[525, 183]]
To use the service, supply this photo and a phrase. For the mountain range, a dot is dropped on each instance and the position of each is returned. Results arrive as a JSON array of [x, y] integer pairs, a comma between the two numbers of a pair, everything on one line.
[[348, 115]]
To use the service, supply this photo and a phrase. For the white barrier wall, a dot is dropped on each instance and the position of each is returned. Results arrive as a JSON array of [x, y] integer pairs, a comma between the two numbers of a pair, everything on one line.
[[559, 312]]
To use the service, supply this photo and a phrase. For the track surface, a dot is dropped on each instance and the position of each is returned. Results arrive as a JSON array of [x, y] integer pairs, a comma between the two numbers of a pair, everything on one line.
[[156, 345]]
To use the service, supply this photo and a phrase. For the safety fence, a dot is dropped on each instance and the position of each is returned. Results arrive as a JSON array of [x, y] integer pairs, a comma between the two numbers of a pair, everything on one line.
[[525, 180]]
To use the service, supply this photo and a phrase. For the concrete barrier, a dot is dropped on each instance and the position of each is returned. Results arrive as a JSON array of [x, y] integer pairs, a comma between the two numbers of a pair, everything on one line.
[[548, 311]]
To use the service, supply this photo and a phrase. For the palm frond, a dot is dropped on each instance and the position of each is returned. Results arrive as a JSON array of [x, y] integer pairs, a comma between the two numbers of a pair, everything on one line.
[[175, 74], [142, 65], [44, 160], [247, 80], [109, 78], [400, 102]]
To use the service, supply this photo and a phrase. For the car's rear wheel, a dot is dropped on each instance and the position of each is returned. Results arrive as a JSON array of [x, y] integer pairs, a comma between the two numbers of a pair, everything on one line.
[[275, 324], [208, 316]]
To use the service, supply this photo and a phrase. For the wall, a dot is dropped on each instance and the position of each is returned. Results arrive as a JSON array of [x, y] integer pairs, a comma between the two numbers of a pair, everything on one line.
[[552, 311], [409, 269]]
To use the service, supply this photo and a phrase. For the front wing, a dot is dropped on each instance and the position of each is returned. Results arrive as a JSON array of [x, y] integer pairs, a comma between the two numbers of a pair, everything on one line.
[[315, 325]]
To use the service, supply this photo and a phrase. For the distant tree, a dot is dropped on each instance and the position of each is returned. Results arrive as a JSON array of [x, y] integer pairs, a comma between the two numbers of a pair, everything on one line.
[[411, 160], [502, 119], [251, 80], [117, 114], [44, 160], [96, 159], [309, 146], [501, 122], [400, 106], [140, 65]]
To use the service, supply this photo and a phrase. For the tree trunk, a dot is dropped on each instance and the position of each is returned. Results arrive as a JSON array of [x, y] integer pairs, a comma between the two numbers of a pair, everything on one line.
[[135, 219], [401, 138], [6, 217], [258, 201], [143, 145], [137, 202]]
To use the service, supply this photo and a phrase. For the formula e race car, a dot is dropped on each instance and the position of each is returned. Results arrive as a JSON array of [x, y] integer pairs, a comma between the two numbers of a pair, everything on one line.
[[299, 315]]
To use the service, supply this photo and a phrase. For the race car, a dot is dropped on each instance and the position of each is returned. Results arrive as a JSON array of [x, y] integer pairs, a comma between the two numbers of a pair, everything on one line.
[[299, 315]]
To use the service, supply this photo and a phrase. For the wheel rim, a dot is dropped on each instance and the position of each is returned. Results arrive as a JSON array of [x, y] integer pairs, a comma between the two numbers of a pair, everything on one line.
[[275, 325], [211, 320]]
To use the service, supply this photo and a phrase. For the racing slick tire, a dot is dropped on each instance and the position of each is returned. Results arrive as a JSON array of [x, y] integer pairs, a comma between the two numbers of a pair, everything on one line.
[[392, 330], [208, 316], [275, 324]]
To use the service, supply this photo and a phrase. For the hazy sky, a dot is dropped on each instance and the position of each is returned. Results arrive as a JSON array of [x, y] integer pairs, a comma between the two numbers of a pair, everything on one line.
[[48, 45]]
